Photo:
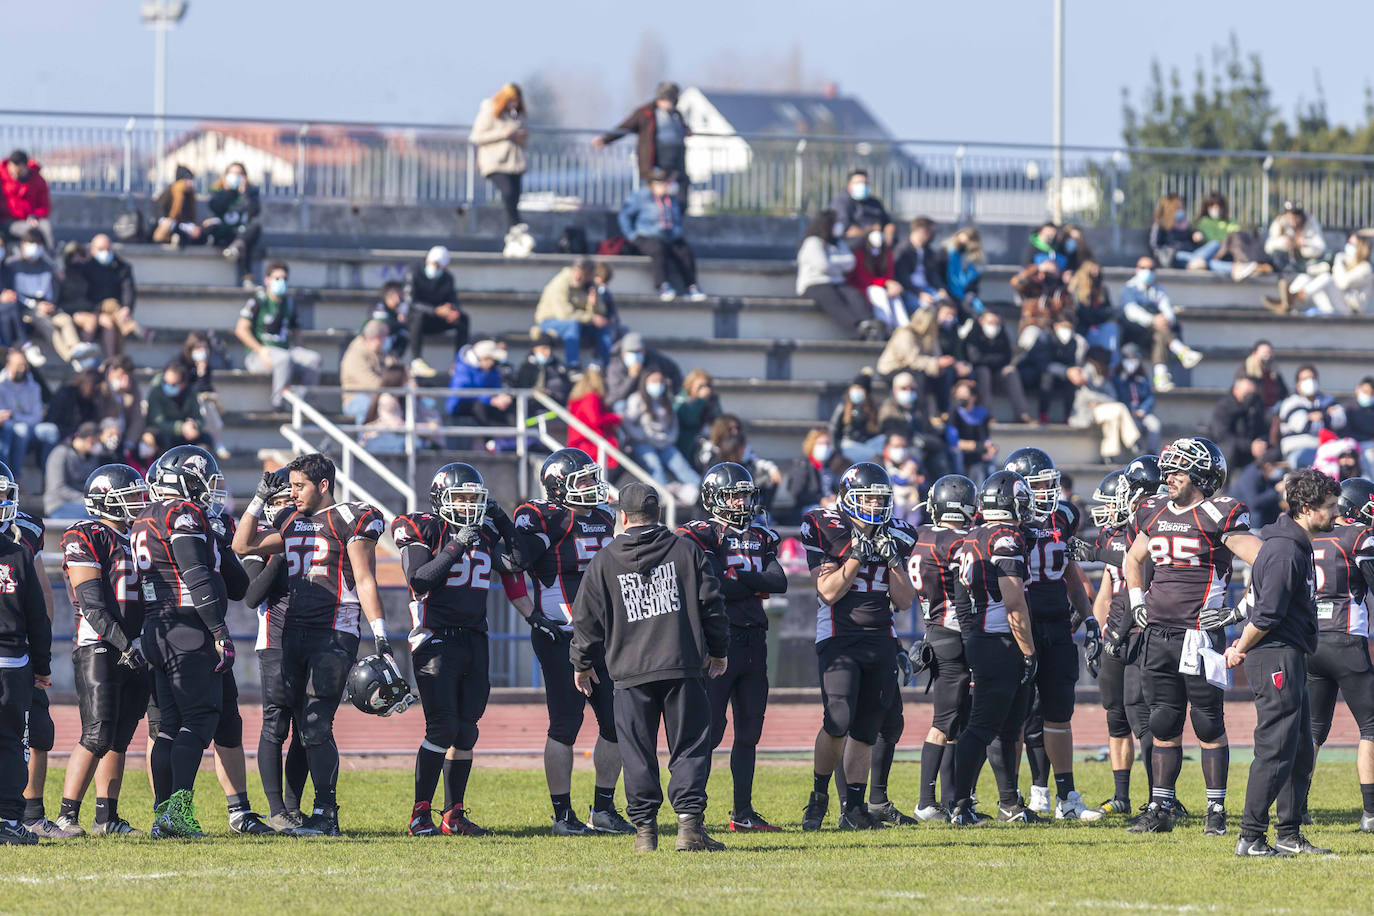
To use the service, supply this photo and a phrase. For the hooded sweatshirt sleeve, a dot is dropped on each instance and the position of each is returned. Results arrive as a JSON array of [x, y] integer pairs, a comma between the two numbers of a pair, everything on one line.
[[714, 624], [589, 612], [1272, 583]]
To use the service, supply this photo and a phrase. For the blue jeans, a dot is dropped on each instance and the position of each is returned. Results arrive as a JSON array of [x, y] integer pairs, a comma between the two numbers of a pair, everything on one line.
[[660, 462], [1205, 252], [572, 332], [357, 407], [17, 439]]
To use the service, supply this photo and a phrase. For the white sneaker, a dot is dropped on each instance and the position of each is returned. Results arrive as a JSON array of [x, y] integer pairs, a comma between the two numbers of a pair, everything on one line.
[[1188, 357], [1040, 799], [1073, 809], [34, 354], [666, 293], [694, 294], [931, 813], [421, 369], [1163, 382]]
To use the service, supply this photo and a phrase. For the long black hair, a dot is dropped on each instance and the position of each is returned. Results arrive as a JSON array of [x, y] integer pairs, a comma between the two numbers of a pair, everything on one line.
[[822, 226]]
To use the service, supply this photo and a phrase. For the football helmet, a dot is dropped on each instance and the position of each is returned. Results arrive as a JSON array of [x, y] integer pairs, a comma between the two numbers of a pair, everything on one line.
[[1197, 457], [9, 494], [458, 495], [953, 498], [1109, 512], [729, 494], [191, 473], [571, 478], [1036, 468], [1143, 479], [1357, 500], [376, 687], [865, 493], [1005, 497], [116, 492]]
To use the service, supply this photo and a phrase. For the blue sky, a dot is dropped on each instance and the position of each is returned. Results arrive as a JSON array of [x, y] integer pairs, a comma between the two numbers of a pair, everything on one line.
[[969, 70]]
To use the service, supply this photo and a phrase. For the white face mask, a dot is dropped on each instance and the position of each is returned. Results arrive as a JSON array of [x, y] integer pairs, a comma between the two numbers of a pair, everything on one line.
[[1064, 334], [200, 355], [896, 455], [875, 239], [1350, 252], [103, 256], [821, 452], [856, 395], [1307, 387], [905, 396], [1130, 365], [1214, 212], [991, 330]]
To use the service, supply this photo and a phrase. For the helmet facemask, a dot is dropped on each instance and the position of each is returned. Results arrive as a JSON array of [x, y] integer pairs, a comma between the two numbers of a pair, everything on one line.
[[9, 500], [735, 504], [585, 487], [464, 504], [870, 505]]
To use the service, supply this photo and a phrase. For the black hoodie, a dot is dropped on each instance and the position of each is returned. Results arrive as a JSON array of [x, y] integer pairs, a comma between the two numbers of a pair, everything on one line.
[[650, 605], [1283, 588]]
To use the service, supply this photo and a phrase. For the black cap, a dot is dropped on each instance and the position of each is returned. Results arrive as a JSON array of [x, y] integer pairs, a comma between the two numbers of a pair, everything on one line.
[[667, 90], [184, 172], [638, 499], [87, 430]]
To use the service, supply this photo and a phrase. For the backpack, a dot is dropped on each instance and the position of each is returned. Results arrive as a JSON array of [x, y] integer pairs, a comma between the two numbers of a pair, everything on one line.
[[130, 227], [573, 240]]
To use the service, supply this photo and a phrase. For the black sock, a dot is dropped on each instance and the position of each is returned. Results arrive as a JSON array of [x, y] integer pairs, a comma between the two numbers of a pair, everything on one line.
[[947, 796], [968, 756], [603, 799], [1147, 759], [1063, 784], [1039, 762], [742, 756], [1168, 764], [820, 784], [324, 773], [429, 763], [1004, 767], [71, 807], [269, 770], [456, 773], [296, 771], [932, 758], [881, 768], [1367, 791], [186, 753], [238, 803], [161, 765], [854, 795], [1122, 781], [33, 809], [1216, 766], [106, 809], [562, 804]]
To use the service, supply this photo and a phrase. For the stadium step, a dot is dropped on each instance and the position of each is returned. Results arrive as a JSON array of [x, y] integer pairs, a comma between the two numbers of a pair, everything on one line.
[[1340, 369]]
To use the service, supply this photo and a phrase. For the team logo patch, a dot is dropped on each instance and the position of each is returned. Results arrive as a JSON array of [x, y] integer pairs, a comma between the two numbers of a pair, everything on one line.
[[185, 522], [1277, 678], [402, 535], [376, 525], [73, 549], [196, 463], [7, 584], [524, 521], [1004, 543]]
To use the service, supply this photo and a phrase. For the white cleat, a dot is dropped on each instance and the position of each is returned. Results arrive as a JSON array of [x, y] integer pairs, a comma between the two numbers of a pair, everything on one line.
[[931, 813], [1073, 809], [1040, 799]]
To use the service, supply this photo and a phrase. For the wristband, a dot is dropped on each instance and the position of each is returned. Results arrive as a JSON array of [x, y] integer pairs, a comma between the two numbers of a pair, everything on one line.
[[378, 628], [1137, 597], [255, 506]]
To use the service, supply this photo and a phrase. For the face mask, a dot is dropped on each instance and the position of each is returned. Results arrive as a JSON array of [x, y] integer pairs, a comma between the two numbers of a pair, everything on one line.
[[856, 395], [991, 330], [905, 396], [859, 191], [30, 251], [673, 189], [875, 239], [277, 286], [433, 270], [170, 389], [1146, 277], [110, 442], [233, 181], [1214, 212], [821, 452], [1364, 400], [103, 256], [896, 455], [632, 358], [1130, 365], [1307, 387], [540, 358], [1064, 334], [117, 384], [199, 355], [964, 402], [654, 389], [1071, 246], [947, 323], [146, 450], [1350, 252]]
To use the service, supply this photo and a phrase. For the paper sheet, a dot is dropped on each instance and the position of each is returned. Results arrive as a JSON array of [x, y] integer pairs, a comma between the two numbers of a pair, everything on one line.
[[1214, 667]]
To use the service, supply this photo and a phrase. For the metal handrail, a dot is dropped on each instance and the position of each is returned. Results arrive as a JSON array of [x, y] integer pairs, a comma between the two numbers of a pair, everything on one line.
[[347, 484]]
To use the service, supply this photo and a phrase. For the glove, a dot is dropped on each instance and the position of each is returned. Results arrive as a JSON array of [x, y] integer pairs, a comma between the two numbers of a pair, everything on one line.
[[219, 530], [1028, 668], [541, 622], [498, 516], [133, 657], [905, 671], [1217, 618], [272, 483], [886, 547], [382, 645], [1138, 615], [1092, 642], [468, 537], [225, 647], [1078, 548], [860, 545], [1116, 641], [1095, 666]]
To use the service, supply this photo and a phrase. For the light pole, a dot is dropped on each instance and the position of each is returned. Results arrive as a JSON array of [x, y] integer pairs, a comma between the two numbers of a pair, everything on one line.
[[161, 16], [1058, 120]]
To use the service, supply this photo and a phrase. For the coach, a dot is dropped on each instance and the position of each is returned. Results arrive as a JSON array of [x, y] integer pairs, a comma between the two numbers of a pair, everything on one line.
[[1279, 635], [650, 605]]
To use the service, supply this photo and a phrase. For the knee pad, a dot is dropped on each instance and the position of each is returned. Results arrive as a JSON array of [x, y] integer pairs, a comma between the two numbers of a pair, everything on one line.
[[838, 717], [1167, 722], [317, 731], [1320, 730], [982, 735], [564, 728], [98, 738], [276, 723], [201, 724], [229, 729], [1208, 723], [467, 736], [442, 733], [1117, 724], [1034, 732]]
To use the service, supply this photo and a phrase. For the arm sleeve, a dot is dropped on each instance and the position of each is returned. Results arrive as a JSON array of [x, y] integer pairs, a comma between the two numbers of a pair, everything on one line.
[[527, 543], [262, 579], [192, 555], [95, 598], [232, 571], [425, 571], [588, 618], [772, 580], [39, 626], [715, 625]]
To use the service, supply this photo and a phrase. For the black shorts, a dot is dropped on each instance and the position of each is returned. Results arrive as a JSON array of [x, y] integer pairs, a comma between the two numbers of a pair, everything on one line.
[[1341, 663], [229, 729], [315, 666], [1000, 701], [858, 684], [42, 733], [1057, 668], [190, 692], [453, 677], [951, 684], [276, 699], [743, 687], [110, 697], [1169, 692], [565, 702]]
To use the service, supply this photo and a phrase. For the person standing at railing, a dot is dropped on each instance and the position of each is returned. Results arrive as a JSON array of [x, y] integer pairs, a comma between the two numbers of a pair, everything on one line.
[[432, 308], [235, 225], [269, 327], [662, 133], [500, 134], [857, 210], [26, 198], [651, 217]]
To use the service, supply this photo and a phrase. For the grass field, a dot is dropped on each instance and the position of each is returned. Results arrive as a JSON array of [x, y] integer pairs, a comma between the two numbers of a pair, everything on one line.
[[374, 868]]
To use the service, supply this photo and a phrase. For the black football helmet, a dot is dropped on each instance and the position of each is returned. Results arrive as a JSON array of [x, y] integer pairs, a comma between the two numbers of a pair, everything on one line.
[[376, 687], [1005, 497], [1197, 457], [865, 493], [458, 495], [116, 493], [1143, 479], [1357, 500], [1036, 468], [280, 497], [953, 498], [729, 494], [571, 478], [9, 494], [1109, 512], [191, 473]]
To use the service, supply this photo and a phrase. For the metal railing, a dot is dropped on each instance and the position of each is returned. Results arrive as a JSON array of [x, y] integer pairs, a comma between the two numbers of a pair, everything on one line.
[[415, 164]]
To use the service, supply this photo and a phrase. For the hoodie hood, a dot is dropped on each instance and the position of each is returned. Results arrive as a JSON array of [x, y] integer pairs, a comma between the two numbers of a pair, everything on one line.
[[643, 547], [1288, 529]]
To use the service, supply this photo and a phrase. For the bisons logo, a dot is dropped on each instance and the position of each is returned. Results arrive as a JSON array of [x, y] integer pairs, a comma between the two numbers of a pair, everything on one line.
[[7, 584]]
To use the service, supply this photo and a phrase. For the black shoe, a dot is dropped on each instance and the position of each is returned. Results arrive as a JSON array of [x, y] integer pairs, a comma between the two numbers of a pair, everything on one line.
[[569, 825], [1215, 823], [1156, 819], [963, 815], [322, 823], [1299, 846], [1258, 848], [1016, 814], [813, 818], [857, 817], [888, 813], [609, 821], [1180, 812], [14, 833], [250, 823]]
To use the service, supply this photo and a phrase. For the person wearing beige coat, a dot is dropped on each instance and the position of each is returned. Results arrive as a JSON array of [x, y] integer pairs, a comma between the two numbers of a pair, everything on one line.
[[500, 133]]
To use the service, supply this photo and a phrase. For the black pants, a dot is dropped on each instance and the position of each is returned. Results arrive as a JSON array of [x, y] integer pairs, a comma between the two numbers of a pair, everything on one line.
[[743, 687], [684, 708], [565, 702], [1057, 671], [453, 679], [665, 257], [844, 304], [858, 684], [16, 696], [509, 186], [421, 320], [952, 700], [244, 244], [1341, 664], [41, 730], [1170, 693], [190, 693], [1000, 704], [1123, 697], [229, 729], [315, 666], [1284, 756], [110, 697]]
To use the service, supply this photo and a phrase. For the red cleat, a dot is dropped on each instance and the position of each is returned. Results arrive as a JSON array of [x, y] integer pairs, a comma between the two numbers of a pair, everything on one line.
[[421, 824], [749, 820], [456, 823]]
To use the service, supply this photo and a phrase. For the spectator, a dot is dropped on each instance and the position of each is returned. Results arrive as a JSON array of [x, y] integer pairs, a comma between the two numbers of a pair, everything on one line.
[[500, 133], [605, 304], [901, 414], [898, 458], [1073, 242], [542, 370], [1095, 403], [1053, 363], [915, 348], [964, 259], [432, 308], [989, 353], [1344, 288], [662, 134], [385, 420], [81, 399], [66, 470], [858, 211], [1359, 420], [1338, 457], [1093, 307], [1303, 415], [727, 442], [234, 224], [106, 307], [969, 433], [697, 406], [1210, 232], [477, 366], [630, 360], [360, 370], [1043, 246], [568, 310], [26, 202], [392, 310], [21, 414], [813, 480], [651, 217], [1259, 366], [822, 265], [1133, 388], [650, 429], [122, 398], [30, 290], [587, 402], [269, 326], [1171, 235], [1294, 239], [111, 447], [196, 354], [1240, 423], [1259, 486], [1044, 300], [177, 223], [174, 409], [854, 423], [1149, 321], [918, 268], [874, 275]]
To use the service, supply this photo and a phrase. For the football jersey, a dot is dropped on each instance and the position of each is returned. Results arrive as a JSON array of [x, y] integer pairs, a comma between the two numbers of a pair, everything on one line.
[[159, 581], [323, 593], [94, 545], [1342, 597], [987, 552], [272, 612], [1110, 549], [461, 601], [934, 572], [866, 608], [570, 542], [1192, 565], [28, 531], [752, 549], [1047, 559]]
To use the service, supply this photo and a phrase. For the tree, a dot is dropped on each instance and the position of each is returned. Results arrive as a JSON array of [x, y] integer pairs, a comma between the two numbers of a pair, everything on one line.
[[649, 66]]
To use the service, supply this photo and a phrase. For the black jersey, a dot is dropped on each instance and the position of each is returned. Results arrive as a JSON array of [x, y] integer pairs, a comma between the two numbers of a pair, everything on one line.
[[94, 545], [461, 601], [867, 607], [751, 549], [28, 532], [1110, 548], [320, 574], [1342, 597], [1047, 559], [570, 541], [159, 579], [986, 553], [1192, 564], [272, 612], [934, 571]]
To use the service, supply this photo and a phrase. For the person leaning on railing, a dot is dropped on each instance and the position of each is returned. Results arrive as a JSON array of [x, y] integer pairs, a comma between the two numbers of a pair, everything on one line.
[[662, 134]]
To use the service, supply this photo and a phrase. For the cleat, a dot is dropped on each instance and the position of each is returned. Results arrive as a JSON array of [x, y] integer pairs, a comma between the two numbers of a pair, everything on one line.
[[933, 813], [692, 836], [176, 817], [609, 822], [1040, 799], [750, 820], [1017, 814], [646, 837], [1215, 823], [64, 828], [1367, 822], [1073, 809], [1156, 819], [1180, 812], [455, 823], [421, 824], [888, 813], [290, 823], [1298, 846], [963, 815], [324, 822], [116, 827], [1257, 848], [1115, 805], [858, 817], [249, 823], [14, 833], [569, 825], [813, 818]]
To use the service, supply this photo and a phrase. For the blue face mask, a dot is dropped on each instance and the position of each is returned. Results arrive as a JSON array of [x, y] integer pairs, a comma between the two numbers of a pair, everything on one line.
[[859, 191], [856, 395], [277, 286], [1364, 400], [1071, 245], [433, 270], [540, 358], [103, 256], [1146, 277], [233, 181], [654, 389], [170, 389]]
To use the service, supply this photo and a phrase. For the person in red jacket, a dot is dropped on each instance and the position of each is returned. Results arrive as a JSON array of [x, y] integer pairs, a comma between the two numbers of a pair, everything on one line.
[[27, 205], [588, 403], [873, 276]]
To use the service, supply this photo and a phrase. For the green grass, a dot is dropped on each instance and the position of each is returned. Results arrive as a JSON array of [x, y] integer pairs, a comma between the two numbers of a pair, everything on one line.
[[376, 869]]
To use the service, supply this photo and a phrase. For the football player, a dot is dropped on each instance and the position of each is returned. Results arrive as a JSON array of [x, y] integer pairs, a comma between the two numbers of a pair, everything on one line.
[[331, 567], [450, 556], [857, 554], [1189, 537], [994, 623], [1058, 603], [745, 556], [113, 683], [185, 637], [556, 537], [1344, 565], [952, 506]]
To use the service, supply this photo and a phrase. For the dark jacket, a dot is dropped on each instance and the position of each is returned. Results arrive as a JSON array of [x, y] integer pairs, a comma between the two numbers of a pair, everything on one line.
[[109, 281], [1250, 487], [1359, 421], [862, 213], [642, 123], [807, 485], [1282, 596], [166, 413], [24, 625], [650, 605], [421, 289], [236, 211], [905, 260], [550, 378], [994, 352], [68, 409], [1234, 425]]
